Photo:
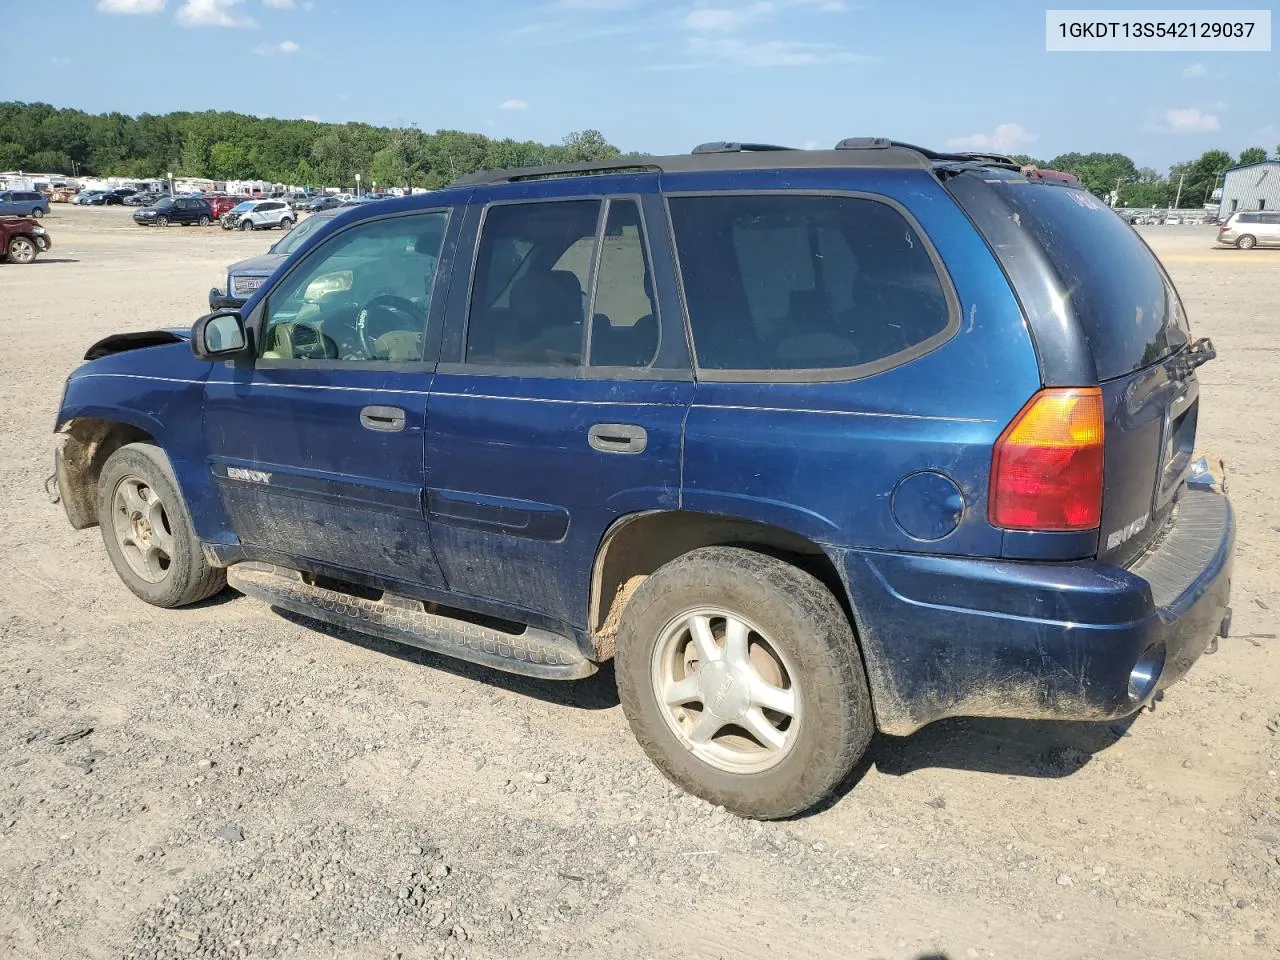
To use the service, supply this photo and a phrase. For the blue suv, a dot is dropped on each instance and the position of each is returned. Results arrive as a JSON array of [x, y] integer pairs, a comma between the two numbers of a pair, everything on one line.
[[23, 203], [810, 443]]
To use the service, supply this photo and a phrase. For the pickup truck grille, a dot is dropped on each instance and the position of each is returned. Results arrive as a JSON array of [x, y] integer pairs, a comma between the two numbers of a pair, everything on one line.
[[243, 286]]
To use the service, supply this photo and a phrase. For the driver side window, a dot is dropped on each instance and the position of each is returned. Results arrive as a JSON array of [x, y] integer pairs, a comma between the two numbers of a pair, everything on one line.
[[362, 295]]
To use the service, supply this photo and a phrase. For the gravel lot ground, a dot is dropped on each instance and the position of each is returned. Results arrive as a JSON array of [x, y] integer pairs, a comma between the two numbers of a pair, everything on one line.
[[225, 781]]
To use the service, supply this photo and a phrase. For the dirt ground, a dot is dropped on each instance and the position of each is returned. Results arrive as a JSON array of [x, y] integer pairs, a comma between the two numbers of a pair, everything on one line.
[[252, 786]]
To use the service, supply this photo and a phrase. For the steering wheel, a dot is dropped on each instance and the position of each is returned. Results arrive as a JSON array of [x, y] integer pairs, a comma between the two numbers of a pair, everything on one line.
[[384, 313]]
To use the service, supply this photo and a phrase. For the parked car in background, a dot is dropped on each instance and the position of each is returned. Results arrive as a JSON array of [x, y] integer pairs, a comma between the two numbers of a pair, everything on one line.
[[258, 215], [181, 210], [143, 199], [116, 198], [1251, 228], [318, 204], [65, 194], [89, 198], [220, 203], [22, 239], [297, 199], [23, 203], [236, 284]]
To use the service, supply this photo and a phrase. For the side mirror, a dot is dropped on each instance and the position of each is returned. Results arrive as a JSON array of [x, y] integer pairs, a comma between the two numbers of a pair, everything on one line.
[[219, 335]]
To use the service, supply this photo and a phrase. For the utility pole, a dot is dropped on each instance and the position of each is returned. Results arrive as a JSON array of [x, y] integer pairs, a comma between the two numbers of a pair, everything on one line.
[[1116, 201], [1178, 197]]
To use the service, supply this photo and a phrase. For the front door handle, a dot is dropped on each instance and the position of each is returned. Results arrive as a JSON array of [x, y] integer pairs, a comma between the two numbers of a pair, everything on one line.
[[385, 419], [617, 438]]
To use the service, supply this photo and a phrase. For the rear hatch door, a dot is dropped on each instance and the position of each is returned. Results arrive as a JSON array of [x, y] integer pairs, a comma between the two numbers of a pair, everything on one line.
[[1103, 309]]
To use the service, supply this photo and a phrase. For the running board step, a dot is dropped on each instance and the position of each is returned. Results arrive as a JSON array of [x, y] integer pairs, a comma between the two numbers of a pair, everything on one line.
[[534, 653]]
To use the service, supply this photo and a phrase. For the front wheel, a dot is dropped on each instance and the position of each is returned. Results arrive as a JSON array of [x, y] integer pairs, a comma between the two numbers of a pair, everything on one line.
[[147, 533], [741, 678], [1247, 242], [162, 221], [21, 250], [246, 225]]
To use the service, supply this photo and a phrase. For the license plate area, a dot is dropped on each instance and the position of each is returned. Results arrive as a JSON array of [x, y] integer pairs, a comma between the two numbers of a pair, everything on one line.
[[1177, 446]]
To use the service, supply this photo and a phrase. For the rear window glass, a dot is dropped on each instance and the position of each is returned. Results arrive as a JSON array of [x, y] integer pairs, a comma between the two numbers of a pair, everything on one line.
[[1129, 311], [798, 282]]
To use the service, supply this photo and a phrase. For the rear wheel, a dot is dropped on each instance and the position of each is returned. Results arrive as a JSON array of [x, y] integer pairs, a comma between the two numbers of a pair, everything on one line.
[[37, 213], [1246, 242], [21, 250], [203, 221], [286, 224], [147, 532], [741, 678]]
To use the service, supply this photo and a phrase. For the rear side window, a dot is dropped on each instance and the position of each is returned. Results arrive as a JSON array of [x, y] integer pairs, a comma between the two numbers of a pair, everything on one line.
[[792, 282]]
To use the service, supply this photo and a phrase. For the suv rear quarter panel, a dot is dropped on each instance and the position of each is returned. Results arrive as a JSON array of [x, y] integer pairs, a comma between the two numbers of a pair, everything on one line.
[[823, 458]]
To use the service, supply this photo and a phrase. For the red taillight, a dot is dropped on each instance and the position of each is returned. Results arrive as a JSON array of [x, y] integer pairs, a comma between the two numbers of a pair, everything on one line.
[[1046, 472]]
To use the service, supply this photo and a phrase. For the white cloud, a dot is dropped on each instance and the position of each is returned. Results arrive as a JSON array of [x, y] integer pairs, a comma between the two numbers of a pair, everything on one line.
[[313, 117], [811, 144], [1190, 120], [767, 53], [284, 47], [131, 6], [279, 4], [1006, 138], [513, 104], [213, 13], [1196, 71], [725, 19]]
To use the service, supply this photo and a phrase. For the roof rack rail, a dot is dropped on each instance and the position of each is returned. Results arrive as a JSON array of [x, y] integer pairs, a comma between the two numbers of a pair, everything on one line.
[[585, 169], [733, 146], [883, 143]]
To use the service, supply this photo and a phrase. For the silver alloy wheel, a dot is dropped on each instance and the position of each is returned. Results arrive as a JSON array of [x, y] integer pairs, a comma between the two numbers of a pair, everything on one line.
[[727, 691], [162, 221], [21, 250], [1246, 242], [142, 529]]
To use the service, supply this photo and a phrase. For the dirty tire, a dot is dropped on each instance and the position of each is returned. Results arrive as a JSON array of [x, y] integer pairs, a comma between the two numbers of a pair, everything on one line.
[[21, 250], [1246, 242], [189, 577], [797, 612]]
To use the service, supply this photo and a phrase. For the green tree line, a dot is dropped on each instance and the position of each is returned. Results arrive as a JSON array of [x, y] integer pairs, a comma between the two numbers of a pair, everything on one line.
[[233, 146], [1103, 173]]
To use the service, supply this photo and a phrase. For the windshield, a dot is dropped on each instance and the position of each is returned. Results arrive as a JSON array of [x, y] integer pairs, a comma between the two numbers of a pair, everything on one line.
[[164, 204], [243, 207], [293, 239]]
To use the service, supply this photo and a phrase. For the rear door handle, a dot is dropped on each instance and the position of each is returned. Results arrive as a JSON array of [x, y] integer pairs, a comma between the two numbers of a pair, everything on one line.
[[617, 438], [385, 419]]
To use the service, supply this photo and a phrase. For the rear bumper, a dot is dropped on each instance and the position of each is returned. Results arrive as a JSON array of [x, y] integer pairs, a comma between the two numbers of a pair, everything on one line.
[[949, 636]]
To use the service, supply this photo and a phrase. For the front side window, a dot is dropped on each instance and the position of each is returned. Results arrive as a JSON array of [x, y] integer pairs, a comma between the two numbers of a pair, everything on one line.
[[799, 282], [363, 295]]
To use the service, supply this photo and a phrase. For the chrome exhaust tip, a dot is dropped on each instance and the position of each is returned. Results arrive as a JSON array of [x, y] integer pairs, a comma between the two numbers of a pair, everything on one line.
[[1146, 673]]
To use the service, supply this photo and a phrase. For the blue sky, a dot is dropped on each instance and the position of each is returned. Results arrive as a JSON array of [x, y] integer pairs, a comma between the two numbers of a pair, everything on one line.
[[653, 75]]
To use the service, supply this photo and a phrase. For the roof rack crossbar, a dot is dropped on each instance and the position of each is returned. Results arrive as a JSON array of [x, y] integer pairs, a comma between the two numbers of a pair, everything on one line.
[[733, 146]]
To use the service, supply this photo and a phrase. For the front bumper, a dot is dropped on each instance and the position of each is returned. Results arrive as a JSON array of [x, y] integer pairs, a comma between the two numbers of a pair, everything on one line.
[[222, 301], [951, 636]]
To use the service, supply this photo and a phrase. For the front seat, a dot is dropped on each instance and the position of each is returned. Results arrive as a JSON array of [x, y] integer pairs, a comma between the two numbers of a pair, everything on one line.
[[545, 320]]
